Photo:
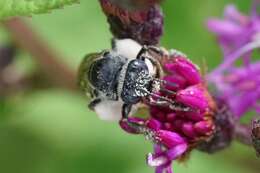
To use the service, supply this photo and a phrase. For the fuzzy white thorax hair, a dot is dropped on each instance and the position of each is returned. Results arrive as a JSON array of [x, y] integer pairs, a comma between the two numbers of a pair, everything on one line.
[[128, 48], [109, 110]]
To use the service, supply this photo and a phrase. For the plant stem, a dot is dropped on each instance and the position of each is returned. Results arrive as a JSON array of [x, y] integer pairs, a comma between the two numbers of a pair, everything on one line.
[[50, 62], [243, 134]]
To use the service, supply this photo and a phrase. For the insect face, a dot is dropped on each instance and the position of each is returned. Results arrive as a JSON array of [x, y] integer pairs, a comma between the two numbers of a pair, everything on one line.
[[136, 82]]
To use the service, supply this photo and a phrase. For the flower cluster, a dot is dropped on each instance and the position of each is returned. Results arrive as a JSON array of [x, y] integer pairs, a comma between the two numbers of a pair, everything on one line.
[[239, 36], [194, 119], [236, 29], [178, 129]]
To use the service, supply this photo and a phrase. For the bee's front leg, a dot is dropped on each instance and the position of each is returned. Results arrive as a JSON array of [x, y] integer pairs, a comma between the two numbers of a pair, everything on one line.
[[156, 50]]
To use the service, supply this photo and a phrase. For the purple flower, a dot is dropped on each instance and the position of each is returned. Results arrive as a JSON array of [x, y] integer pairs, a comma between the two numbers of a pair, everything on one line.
[[176, 132], [240, 88], [239, 35], [235, 30]]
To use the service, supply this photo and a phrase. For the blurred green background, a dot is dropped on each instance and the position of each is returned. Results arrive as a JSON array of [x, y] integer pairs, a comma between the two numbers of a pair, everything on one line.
[[52, 131]]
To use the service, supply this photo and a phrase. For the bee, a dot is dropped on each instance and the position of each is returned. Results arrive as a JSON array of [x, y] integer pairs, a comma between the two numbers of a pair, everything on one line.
[[119, 80]]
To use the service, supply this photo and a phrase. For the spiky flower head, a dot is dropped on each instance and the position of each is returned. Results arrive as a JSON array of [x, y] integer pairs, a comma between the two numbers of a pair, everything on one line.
[[177, 129]]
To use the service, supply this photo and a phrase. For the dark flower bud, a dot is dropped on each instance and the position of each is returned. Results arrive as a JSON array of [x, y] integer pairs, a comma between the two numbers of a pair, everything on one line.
[[144, 26], [224, 130], [134, 4]]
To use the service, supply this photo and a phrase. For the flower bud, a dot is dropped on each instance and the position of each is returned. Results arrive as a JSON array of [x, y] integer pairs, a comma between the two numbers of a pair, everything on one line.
[[170, 139], [184, 68], [143, 25], [203, 127], [194, 97]]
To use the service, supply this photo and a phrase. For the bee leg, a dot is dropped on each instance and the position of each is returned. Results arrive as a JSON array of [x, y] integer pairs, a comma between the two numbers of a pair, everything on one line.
[[142, 52], [166, 102], [126, 109], [93, 103], [156, 50], [160, 103]]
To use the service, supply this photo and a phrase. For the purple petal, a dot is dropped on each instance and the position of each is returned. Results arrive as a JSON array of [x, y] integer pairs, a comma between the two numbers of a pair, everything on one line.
[[154, 161], [153, 124], [257, 107], [224, 28], [177, 151], [169, 169], [184, 68], [157, 149], [188, 130], [170, 139], [193, 96], [158, 114], [232, 14], [254, 12], [159, 170], [171, 117], [241, 104], [194, 116], [203, 127]]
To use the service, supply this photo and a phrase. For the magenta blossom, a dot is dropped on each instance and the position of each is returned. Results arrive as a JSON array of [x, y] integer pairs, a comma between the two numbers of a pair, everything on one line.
[[239, 36], [236, 30], [176, 132], [240, 88]]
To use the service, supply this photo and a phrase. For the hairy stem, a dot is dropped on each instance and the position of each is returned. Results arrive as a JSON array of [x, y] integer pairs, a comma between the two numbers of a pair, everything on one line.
[[50, 62], [243, 134]]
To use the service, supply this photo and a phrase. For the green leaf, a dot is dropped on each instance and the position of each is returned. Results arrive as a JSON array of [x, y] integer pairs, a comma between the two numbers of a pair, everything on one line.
[[10, 8]]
